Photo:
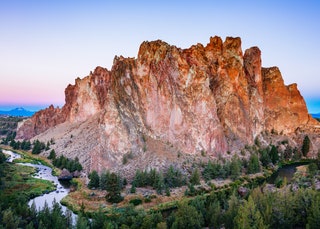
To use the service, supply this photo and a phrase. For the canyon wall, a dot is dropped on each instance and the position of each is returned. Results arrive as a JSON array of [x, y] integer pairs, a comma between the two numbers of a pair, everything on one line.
[[170, 101]]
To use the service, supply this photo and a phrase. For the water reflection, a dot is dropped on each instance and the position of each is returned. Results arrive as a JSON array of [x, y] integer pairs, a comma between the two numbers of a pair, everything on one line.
[[286, 171]]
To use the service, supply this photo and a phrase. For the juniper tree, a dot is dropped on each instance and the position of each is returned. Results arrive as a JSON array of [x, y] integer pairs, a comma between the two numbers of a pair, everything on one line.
[[195, 177], [114, 189], [305, 146], [94, 179], [253, 165], [249, 216]]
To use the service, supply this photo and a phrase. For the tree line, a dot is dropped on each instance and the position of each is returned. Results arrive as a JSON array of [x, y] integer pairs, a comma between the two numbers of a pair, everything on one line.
[[226, 208], [287, 209], [173, 177], [111, 182], [63, 162], [114, 183], [36, 146], [8, 124]]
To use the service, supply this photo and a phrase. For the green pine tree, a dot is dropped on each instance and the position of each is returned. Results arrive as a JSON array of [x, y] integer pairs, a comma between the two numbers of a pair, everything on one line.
[[94, 179], [214, 215], [232, 211], [187, 217], [82, 222], [274, 154], [2, 157], [249, 217], [195, 177], [253, 164], [305, 146], [235, 167], [52, 155], [114, 189]]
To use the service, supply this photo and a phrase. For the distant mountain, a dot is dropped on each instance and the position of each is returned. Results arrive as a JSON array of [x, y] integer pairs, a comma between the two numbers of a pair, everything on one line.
[[316, 115], [20, 111]]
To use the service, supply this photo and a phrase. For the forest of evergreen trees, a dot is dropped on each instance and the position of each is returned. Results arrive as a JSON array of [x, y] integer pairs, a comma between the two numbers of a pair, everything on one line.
[[287, 207], [260, 208]]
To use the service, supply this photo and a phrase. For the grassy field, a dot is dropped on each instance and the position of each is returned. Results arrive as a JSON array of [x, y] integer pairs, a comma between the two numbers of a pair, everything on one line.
[[17, 183]]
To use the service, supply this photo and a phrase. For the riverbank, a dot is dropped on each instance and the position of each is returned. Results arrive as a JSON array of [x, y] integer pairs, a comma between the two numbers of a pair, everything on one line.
[[28, 157], [35, 182], [91, 201], [19, 185]]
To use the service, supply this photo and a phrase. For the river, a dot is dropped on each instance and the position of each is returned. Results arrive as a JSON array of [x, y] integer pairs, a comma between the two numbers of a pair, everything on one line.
[[45, 172], [283, 172], [12, 155], [287, 171]]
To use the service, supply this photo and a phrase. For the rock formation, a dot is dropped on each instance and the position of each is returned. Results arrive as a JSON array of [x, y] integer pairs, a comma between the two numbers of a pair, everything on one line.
[[170, 101], [65, 175]]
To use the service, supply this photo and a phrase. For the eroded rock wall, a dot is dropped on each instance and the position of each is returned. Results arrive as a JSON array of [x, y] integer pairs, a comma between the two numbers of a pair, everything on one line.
[[209, 99]]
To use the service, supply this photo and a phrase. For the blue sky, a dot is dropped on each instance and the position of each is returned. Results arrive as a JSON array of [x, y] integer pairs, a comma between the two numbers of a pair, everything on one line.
[[45, 45]]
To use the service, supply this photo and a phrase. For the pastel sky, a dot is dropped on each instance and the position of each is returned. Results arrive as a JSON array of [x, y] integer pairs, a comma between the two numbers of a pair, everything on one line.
[[45, 45]]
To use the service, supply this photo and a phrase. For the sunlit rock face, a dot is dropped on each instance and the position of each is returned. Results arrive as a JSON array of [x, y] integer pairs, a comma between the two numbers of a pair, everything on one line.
[[285, 108], [40, 122], [209, 99]]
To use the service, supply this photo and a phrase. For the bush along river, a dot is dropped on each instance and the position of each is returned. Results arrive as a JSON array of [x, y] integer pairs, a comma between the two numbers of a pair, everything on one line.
[[45, 172]]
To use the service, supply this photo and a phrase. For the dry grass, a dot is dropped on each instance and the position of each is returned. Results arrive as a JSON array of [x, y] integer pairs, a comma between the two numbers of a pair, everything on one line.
[[92, 200]]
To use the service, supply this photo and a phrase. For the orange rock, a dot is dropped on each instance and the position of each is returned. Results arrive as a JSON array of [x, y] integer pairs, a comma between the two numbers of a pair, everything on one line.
[[211, 99]]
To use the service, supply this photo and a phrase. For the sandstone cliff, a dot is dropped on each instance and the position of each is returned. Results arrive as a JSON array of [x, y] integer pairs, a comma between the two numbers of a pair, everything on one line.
[[171, 101]]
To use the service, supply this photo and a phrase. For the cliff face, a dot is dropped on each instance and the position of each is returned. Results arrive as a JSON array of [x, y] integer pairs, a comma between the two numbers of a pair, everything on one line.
[[212, 99], [285, 109]]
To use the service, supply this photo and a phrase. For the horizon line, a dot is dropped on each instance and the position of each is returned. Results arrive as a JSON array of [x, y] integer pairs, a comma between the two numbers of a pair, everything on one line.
[[37, 107]]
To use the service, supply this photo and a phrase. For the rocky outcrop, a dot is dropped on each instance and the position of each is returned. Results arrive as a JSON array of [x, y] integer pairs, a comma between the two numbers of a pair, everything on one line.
[[65, 175], [82, 100], [285, 108], [40, 122], [171, 101]]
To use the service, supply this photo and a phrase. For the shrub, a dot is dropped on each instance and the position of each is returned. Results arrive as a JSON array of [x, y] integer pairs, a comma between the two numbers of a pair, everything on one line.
[[136, 201], [133, 188], [124, 160], [312, 168], [147, 199], [195, 177], [278, 182]]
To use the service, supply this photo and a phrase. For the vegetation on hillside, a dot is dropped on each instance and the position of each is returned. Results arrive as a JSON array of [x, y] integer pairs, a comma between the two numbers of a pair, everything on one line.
[[8, 124], [36, 147], [63, 162], [282, 206], [17, 186], [259, 208], [287, 207]]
